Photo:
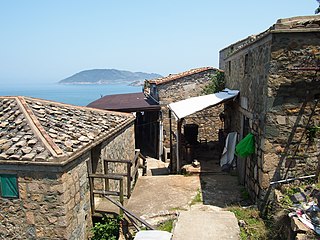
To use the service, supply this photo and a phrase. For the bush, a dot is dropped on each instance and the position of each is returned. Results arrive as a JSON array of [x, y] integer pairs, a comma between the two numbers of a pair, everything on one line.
[[107, 229], [217, 84]]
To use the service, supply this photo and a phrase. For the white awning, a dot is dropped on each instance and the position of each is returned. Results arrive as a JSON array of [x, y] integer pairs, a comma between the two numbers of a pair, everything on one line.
[[189, 106]]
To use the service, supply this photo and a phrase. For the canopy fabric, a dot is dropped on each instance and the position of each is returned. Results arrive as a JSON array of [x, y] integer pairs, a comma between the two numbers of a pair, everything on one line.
[[192, 105]]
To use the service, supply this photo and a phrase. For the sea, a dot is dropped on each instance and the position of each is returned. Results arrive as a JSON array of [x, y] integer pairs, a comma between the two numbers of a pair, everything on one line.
[[80, 95]]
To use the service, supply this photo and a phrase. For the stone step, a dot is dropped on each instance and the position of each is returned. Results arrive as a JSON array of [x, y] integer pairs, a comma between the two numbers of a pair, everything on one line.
[[156, 167], [202, 225]]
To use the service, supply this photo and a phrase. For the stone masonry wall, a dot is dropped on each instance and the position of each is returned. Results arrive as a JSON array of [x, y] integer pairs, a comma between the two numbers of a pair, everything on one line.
[[279, 102], [292, 106], [247, 71], [186, 87], [50, 206], [121, 147], [208, 121], [55, 205]]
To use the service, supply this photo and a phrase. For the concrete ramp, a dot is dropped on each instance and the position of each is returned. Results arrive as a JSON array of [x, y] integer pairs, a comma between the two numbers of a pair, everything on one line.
[[203, 224], [155, 194]]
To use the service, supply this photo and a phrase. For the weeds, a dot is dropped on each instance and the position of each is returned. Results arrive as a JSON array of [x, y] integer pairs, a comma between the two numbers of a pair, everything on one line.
[[197, 198], [252, 227], [166, 225], [107, 228]]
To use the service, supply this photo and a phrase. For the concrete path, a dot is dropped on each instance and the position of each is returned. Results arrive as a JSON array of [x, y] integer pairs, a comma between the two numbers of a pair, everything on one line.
[[206, 223], [157, 198], [154, 195]]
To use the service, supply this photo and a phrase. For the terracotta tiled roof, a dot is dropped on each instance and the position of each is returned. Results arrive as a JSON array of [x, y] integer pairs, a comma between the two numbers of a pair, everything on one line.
[[172, 77], [36, 130]]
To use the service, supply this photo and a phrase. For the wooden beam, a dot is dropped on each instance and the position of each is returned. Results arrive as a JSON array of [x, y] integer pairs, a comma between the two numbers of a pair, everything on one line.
[[171, 142]]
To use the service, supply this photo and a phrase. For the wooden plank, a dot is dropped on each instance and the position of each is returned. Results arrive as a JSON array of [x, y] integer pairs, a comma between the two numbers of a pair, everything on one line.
[[109, 176], [117, 161], [135, 157], [106, 170], [121, 195], [129, 180], [135, 171], [102, 192], [91, 186]]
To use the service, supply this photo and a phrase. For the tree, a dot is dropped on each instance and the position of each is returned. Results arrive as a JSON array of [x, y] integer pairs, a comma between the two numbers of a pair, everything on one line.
[[217, 83], [318, 9]]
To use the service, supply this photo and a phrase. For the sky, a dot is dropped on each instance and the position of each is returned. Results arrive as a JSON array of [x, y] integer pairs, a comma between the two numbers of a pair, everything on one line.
[[51, 40]]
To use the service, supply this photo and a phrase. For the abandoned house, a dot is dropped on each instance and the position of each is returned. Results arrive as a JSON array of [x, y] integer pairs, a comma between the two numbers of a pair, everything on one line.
[[176, 87], [277, 73], [47, 150], [147, 112]]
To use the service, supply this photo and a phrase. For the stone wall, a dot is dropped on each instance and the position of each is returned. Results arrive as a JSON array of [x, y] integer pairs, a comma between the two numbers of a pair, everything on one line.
[[292, 107], [247, 71], [208, 121], [183, 88], [55, 205], [50, 206], [279, 103], [119, 147]]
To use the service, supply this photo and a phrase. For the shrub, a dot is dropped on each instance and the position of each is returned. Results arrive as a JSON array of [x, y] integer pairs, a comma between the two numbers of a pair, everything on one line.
[[107, 229], [217, 84]]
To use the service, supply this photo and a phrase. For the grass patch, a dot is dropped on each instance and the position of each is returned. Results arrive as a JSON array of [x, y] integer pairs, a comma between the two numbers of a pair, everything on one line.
[[254, 226], [166, 225], [197, 198], [178, 209]]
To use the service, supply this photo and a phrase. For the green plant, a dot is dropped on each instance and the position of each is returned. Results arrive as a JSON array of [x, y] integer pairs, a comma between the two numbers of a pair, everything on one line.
[[217, 84], [166, 225], [107, 229], [178, 209], [197, 198], [245, 194], [253, 226], [312, 132]]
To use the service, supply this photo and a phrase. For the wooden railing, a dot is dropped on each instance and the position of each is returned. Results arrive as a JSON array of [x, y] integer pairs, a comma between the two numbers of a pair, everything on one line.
[[131, 173], [131, 216], [106, 177]]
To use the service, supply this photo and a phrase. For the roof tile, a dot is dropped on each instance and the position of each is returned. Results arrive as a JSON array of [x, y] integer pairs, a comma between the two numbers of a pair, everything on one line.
[[172, 77], [39, 130]]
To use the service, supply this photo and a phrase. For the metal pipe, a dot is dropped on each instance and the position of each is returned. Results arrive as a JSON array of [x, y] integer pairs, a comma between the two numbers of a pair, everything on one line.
[[292, 179]]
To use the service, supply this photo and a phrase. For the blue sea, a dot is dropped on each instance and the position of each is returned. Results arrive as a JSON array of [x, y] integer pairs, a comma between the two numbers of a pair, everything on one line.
[[80, 95]]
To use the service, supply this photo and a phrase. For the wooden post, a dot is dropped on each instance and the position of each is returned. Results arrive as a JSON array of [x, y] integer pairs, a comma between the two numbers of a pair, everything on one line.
[[106, 169], [91, 185], [171, 147], [121, 195], [179, 124], [129, 180]]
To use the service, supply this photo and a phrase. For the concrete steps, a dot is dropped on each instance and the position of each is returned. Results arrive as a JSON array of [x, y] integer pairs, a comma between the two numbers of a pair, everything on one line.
[[204, 222], [156, 167]]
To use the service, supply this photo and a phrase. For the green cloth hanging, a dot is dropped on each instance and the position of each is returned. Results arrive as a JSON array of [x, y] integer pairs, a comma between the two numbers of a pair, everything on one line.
[[246, 146]]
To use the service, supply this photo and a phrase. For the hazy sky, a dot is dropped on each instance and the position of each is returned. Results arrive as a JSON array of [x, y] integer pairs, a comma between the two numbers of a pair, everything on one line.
[[50, 40]]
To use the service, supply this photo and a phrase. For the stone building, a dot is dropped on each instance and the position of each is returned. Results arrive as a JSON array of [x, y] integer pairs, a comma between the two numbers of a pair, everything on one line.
[[277, 74], [176, 87], [46, 151]]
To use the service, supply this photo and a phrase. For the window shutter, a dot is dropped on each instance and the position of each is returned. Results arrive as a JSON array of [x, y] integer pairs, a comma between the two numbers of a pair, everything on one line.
[[9, 186]]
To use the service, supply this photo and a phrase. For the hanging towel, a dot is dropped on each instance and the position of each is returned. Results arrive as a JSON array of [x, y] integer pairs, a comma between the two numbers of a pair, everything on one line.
[[229, 149], [246, 146]]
